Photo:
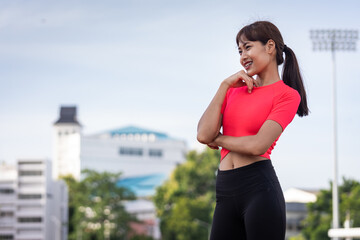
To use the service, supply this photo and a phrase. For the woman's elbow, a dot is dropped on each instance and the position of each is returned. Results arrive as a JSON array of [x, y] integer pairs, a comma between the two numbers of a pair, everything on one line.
[[258, 150], [204, 139]]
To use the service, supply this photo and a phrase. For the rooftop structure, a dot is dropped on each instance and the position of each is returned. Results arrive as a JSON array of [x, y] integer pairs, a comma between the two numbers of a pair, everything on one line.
[[67, 115]]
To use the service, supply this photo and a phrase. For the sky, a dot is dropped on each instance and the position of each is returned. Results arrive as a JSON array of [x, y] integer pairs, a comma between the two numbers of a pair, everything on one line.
[[156, 64]]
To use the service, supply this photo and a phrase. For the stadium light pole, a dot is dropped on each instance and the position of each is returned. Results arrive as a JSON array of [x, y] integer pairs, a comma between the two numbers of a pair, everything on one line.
[[334, 40]]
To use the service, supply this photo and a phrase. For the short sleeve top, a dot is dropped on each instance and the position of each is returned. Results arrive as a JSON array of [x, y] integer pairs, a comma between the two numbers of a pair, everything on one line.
[[244, 113]]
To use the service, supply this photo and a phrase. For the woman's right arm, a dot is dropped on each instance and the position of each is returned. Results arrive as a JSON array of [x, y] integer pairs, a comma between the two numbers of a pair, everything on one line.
[[210, 122]]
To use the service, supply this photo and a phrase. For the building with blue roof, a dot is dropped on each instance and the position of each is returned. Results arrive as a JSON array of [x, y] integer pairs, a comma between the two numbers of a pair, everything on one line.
[[145, 157], [136, 130]]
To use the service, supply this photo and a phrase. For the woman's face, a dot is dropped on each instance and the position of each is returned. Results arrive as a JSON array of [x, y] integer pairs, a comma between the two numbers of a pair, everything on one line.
[[254, 56]]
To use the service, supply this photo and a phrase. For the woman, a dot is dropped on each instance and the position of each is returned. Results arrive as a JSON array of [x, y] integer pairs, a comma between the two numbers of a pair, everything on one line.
[[253, 112]]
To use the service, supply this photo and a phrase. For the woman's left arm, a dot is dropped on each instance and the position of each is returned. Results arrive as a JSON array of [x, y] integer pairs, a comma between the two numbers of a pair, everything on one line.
[[255, 145]]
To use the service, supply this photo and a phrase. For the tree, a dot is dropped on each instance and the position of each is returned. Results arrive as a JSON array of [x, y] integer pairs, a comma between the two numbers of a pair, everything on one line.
[[298, 237], [185, 203], [95, 207], [318, 221]]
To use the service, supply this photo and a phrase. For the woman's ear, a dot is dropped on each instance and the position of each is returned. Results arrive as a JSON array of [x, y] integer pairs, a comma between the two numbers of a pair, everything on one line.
[[270, 46]]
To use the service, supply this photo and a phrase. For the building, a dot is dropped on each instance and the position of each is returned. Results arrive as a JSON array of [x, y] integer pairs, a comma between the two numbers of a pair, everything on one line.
[[7, 201], [32, 205], [145, 212], [143, 208], [66, 144], [132, 150], [145, 157], [296, 211]]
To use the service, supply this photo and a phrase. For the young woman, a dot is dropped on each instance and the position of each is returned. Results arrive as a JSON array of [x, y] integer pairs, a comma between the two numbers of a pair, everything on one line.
[[253, 112]]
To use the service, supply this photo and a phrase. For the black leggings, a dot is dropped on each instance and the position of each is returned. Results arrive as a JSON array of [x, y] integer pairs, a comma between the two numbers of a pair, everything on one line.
[[249, 204]]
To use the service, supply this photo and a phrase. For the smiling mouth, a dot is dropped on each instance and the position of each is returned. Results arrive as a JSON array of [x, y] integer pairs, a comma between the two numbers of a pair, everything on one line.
[[247, 65]]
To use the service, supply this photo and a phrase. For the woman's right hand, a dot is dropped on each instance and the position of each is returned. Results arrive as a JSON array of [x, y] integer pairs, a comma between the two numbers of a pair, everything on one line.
[[241, 79]]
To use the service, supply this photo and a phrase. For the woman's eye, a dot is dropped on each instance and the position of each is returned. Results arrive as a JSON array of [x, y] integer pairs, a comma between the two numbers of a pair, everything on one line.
[[247, 47]]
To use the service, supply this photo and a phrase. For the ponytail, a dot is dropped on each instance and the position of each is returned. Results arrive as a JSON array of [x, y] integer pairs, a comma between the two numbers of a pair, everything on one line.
[[291, 76]]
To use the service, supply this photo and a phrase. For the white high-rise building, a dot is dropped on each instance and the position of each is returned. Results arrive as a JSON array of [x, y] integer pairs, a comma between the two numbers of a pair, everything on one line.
[[66, 148], [8, 176], [32, 205]]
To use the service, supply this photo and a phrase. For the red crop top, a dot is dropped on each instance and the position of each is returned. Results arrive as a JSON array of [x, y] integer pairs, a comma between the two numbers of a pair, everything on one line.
[[244, 113]]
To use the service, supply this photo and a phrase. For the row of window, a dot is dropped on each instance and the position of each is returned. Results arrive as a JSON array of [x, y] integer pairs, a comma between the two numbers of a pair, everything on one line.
[[32, 163], [136, 137], [66, 133], [29, 196], [30, 173], [6, 214], [140, 152], [6, 237], [21, 196], [6, 191], [29, 219]]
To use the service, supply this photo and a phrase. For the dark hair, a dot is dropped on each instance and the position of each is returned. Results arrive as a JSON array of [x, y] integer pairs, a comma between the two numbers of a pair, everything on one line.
[[263, 31]]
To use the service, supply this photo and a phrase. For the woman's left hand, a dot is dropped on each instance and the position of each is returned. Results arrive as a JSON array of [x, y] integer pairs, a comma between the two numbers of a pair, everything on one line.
[[214, 144]]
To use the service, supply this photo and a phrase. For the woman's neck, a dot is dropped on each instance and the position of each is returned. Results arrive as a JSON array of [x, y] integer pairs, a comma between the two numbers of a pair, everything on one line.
[[268, 76]]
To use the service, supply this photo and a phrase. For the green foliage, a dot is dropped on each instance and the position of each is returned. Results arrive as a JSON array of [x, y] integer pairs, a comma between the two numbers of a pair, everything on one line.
[[319, 219], [95, 209], [141, 237], [298, 237], [185, 202]]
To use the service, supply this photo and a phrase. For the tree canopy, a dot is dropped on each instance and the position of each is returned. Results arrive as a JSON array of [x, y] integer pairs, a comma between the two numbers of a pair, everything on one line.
[[95, 207], [185, 203], [319, 218]]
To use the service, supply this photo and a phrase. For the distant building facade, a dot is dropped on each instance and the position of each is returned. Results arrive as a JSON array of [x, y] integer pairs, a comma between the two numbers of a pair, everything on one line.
[[145, 212], [296, 210], [32, 205], [132, 150]]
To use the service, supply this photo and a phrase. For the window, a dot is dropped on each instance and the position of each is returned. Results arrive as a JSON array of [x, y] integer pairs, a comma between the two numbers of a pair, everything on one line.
[[29, 219], [6, 191], [30, 173], [131, 151], [155, 153], [29, 196]]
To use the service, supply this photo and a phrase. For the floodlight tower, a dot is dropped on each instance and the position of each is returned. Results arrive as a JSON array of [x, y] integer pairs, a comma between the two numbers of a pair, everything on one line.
[[334, 40]]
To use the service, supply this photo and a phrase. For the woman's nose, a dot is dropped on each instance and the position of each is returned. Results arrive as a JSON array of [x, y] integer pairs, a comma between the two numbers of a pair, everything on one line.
[[243, 57]]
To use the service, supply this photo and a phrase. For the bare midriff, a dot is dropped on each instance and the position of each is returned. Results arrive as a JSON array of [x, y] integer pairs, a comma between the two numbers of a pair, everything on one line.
[[235, 160]]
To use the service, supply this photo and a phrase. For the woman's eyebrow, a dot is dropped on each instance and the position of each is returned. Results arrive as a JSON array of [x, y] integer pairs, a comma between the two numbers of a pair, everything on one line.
[[244, 44]]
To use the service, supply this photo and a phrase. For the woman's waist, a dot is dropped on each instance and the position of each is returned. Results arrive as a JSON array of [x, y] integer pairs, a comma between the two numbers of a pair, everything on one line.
[[234, 160]]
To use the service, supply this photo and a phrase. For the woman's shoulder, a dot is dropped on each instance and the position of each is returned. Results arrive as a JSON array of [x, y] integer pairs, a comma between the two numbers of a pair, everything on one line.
[[286, 90], [286, 93]]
